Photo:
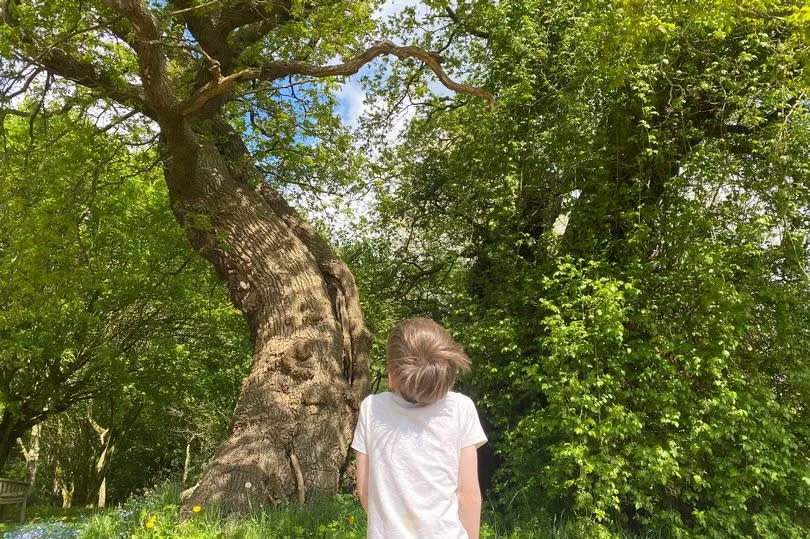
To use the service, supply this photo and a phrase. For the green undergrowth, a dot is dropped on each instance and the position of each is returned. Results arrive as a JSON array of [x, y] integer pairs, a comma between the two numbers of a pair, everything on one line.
[[154, 515]]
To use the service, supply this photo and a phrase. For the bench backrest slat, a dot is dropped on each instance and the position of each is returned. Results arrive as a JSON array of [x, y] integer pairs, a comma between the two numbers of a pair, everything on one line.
[[13, 482], [14, 492], [12, 489]]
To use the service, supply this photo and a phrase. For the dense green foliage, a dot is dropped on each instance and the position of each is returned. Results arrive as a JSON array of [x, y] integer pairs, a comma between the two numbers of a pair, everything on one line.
[[623, 246], [106, 312]]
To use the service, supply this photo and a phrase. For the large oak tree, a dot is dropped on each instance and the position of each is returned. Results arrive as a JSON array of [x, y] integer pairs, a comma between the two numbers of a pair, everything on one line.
[[180, 64]]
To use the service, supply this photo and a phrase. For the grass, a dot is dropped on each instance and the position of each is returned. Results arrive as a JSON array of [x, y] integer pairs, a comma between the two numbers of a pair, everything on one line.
[[154, 515]]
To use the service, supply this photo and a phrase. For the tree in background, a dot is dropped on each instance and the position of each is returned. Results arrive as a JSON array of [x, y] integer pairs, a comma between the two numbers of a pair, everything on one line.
[[627, 243], [103, 304]]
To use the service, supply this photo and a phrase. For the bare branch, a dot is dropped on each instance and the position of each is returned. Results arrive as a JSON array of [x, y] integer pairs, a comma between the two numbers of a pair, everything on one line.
[[24, 88], [279, 69], [118, 121]]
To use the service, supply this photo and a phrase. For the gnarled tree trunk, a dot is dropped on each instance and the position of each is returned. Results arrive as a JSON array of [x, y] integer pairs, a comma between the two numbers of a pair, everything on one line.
[[290, 431]]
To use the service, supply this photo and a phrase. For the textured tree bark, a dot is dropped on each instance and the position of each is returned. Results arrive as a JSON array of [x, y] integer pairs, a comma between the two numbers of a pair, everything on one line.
[[290, 431], [62, 488], [187, 462], [103, 466], [31, 454]]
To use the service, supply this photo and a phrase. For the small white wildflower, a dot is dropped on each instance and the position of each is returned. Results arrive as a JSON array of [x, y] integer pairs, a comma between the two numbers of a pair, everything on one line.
[[248, 485]]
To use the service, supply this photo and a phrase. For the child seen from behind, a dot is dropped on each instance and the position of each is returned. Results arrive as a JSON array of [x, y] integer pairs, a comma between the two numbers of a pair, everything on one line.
[[417, 463]]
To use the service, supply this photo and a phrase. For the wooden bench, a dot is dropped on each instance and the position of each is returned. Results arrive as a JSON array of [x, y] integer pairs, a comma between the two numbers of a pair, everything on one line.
[[14, 492]]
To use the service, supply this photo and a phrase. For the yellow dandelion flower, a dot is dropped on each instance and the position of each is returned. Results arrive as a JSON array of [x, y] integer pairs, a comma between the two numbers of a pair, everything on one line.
[[151, 522], [196, 508], [352, 520]]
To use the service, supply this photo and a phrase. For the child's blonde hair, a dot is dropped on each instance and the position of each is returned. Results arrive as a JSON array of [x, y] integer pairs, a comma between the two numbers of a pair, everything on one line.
[[423, 360]]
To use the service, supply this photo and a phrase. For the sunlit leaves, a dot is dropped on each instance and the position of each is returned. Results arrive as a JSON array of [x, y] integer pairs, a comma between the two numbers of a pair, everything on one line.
[[100, 287], [645, 366]]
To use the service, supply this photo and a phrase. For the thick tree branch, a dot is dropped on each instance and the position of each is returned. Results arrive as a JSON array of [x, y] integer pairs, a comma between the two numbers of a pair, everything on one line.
[[214, 31], [195, 7], [472, 31], [278, 69], [151, 57], [250, 33], [56, 61], [249, 12], [123, 31], [96, 427], [61, 64], [204, 29]]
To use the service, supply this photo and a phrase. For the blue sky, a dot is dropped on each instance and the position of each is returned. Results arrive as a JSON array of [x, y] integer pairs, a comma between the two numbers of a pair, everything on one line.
[[351, 97]]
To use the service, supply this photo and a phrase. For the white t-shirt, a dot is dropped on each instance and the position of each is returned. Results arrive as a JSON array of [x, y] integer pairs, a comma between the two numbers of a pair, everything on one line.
[[413, 458]]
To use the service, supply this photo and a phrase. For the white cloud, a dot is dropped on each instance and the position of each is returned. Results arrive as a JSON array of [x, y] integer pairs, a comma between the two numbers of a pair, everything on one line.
[[394, 7], [351, 104]]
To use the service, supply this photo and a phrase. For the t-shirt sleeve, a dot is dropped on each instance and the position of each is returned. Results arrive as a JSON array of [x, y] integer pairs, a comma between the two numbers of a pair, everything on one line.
[[359, 440], [471, 431]]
